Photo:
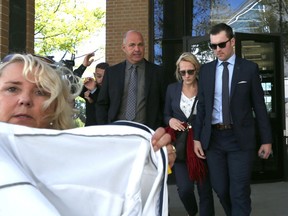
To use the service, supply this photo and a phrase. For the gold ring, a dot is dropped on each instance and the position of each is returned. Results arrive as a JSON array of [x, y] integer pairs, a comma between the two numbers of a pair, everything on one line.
[[174, 149]]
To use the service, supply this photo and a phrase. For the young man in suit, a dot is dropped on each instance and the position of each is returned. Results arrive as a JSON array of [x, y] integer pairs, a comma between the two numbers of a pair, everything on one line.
[[113, 100], [225, 135], [91, 87]]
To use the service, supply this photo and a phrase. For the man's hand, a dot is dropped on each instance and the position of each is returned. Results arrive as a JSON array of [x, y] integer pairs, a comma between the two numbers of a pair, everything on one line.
[[265, 150], [198, 150], [90, 84], [88, 59], [160, 139]]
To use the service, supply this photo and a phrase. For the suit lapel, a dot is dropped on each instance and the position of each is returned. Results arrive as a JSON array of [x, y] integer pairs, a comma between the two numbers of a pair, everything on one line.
[[122, 76], [236, 73], [210, 83], [148, 78], [178, 97]]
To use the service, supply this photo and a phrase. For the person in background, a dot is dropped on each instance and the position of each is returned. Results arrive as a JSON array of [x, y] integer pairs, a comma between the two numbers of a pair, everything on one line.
[[91, 87], [91, 91], [225, 123], [181, 100], [134, 89]]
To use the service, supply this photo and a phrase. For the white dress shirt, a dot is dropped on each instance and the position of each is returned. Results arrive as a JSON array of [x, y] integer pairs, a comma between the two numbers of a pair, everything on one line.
[[217, 108]]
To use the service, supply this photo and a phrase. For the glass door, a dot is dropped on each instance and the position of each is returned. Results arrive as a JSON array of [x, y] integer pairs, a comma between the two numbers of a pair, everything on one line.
[[265, 50]]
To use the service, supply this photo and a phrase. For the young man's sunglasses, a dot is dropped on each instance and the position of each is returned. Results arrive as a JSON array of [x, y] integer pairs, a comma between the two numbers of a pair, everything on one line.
[[220, 45]]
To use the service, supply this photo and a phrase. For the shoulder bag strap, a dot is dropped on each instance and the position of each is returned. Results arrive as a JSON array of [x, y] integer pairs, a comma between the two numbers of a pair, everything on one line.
[[192, 110]]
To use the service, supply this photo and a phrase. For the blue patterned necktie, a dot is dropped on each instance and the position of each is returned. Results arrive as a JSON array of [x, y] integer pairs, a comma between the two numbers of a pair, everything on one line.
[[225, 94], [132, 95]]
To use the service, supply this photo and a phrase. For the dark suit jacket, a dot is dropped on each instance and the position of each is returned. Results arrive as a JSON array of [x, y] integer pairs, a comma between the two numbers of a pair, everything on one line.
[[110, 95], [172, 103], [246, 97], [90, 107]]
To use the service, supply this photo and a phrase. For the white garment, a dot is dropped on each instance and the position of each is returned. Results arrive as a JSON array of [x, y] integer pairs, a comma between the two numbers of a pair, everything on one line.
[[186, 105], [97, 170]]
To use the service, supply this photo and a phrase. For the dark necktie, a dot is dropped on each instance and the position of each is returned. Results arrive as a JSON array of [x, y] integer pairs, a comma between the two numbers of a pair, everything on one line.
[[225, 94], [132, 95]]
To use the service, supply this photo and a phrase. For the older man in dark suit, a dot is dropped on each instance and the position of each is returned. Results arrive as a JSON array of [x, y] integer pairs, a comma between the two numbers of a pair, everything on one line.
[[147, 95], [226, 125]]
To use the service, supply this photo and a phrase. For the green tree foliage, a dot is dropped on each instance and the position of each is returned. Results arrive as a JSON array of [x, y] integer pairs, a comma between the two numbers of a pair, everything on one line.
[[276, 20], [80, 105], [60, 25]]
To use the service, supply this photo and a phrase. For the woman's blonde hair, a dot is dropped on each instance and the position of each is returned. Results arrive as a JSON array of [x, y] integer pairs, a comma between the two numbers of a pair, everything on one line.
[[188, 57], [63, 87]]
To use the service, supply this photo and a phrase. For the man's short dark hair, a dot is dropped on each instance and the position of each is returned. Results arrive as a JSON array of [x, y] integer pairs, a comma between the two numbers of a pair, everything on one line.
[[102, 65], [216, 29]]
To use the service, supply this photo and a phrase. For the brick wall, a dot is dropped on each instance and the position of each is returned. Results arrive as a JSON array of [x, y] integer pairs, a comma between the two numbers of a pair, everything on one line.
[[121, 16], [4, 26], [30, 14]]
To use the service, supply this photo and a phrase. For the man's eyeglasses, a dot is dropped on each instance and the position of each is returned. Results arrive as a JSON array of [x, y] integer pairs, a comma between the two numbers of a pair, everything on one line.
[[220, 45], [183, 72]]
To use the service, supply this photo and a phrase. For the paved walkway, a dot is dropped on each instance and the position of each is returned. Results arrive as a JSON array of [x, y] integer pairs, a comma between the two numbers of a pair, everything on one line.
[[269, 199]]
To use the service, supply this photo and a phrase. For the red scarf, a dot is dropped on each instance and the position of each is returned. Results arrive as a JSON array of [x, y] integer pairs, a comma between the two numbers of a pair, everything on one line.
[[197, 169]]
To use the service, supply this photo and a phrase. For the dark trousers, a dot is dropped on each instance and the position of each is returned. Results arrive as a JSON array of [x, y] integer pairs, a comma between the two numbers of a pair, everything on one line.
[[230, 172], [185, 189]]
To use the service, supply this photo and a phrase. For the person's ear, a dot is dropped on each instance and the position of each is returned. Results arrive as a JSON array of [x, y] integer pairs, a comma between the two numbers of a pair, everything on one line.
[[233, 41], [123, 47]]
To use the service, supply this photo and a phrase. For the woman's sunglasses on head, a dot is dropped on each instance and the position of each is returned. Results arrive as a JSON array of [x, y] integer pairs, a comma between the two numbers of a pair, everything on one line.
[[47, 59]]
